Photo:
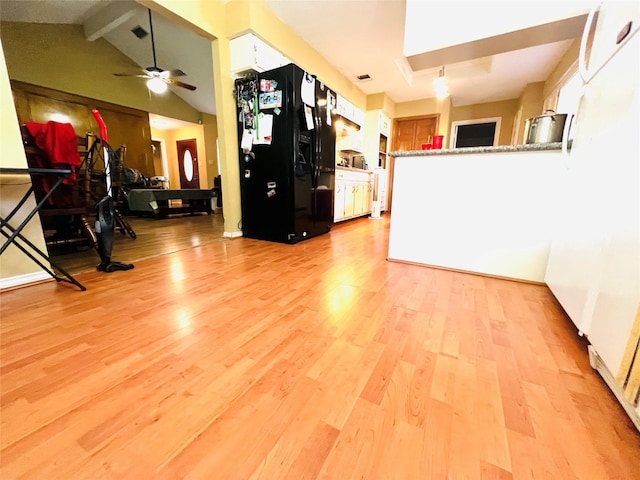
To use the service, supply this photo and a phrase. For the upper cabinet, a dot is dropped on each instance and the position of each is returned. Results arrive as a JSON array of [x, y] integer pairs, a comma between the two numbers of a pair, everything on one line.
[[346, 109], [377, 134], [384, 124], [251, 54]]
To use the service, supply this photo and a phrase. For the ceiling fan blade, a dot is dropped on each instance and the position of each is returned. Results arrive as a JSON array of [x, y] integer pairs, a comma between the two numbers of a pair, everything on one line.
[[178, 83], [175, 73], [131, 75]]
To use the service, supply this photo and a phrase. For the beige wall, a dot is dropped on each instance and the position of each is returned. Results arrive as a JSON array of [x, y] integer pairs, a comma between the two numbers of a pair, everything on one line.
[[428, 106], [170, 137], [529, 105], [380, 101], [505, 109], [13, 263], [564, 69], [210, 126], [59, 57]]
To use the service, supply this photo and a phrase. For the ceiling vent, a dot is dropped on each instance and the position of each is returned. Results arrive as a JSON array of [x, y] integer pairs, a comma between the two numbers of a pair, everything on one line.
[[364, 78], [139, 32]]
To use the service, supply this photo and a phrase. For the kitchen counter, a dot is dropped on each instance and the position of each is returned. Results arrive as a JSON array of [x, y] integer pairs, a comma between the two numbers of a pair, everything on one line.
[[477, 210], [531, 147], [350, 169]]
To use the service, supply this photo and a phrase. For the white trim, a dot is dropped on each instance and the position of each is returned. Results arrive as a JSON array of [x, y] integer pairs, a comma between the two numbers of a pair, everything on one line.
[[598, 365], [25, 279], [475, 121], [232, 234], [163, 156]]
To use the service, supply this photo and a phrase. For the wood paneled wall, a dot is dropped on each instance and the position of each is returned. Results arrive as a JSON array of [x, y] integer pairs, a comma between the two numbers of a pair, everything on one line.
[[126, 126]]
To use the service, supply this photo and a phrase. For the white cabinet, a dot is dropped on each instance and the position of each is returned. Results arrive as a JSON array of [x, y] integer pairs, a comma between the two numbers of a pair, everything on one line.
[[251, 54], [376, 140], [346, 109], [349, 141], [376, 149], [338, 212], [354, 193], [384, 124]]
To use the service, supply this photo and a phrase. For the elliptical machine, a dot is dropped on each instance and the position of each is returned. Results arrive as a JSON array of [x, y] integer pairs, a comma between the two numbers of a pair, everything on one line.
[[105, 210]]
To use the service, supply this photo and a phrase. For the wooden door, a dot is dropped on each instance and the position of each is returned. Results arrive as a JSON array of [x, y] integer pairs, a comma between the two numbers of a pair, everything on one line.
[[188, 163], [411, 133]]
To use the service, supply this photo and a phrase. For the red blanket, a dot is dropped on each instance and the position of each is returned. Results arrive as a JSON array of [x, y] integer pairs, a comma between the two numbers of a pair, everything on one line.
[[58, 140]]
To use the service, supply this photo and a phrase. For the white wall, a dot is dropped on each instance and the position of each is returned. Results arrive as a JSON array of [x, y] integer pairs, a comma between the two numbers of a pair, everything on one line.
[[489, 213]]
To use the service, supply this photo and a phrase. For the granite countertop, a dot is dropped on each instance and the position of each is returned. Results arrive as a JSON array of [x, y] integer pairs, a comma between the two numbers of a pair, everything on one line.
[[531, 147], [351, 169]]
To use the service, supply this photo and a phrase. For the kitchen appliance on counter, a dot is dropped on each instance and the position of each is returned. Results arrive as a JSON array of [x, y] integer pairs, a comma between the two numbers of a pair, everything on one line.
[[287, 154], [546, 128], [594, 261], [358, 161]]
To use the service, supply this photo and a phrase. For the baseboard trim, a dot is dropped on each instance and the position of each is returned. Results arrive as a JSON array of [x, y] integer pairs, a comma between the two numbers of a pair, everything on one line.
[[599, 366], [482, 274], [23, 280], [232, 234]]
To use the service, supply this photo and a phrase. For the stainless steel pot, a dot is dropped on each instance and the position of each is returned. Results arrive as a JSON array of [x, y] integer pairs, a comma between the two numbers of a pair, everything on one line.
[[546, 128]]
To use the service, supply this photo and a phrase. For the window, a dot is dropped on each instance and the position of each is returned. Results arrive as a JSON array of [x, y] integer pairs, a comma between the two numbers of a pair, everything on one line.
[[482, 132]]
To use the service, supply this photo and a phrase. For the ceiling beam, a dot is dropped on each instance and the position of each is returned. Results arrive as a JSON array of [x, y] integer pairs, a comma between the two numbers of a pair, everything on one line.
[[110, 17], [529, 37]]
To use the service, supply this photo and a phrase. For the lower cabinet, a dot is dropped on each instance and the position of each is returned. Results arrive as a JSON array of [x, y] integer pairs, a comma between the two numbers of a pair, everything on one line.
[[353, 194]]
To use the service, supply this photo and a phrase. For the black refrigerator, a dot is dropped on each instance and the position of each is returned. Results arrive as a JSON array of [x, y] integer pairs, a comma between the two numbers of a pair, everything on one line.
[[286, 131]]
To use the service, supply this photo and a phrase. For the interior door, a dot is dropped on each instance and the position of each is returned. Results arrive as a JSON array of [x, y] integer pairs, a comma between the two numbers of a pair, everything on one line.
[[411, 133], [188, 163]]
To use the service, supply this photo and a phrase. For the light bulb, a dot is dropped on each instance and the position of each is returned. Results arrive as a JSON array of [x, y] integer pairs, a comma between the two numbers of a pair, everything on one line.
[[441, 87], [156, 85]]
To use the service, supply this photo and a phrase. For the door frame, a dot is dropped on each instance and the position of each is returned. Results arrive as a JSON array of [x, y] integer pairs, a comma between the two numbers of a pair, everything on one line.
[[195, 159]]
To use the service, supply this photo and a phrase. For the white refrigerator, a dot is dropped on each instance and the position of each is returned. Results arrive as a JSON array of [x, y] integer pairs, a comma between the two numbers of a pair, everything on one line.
[[594, 262]]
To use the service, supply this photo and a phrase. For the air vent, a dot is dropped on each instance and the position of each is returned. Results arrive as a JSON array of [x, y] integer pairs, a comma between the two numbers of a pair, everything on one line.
[[139, 32], [364, 78]]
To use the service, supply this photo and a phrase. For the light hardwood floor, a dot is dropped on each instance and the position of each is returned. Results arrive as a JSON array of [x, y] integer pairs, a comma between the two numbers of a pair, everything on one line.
[[242, 359], [153, 238]]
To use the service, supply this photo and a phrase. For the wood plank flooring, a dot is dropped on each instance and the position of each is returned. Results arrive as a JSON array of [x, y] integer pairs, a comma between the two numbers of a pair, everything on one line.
[[153, 238], [242, 359]]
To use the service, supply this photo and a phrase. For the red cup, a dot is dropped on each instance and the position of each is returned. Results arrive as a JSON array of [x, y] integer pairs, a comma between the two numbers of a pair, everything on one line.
[[426, 146], [437, 141]]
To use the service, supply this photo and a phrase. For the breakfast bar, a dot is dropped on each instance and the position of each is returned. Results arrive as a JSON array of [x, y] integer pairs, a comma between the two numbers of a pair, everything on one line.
[[487, 210]]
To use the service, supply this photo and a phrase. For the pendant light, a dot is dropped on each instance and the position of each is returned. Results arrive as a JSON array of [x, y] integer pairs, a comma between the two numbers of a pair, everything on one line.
[[441, 85]]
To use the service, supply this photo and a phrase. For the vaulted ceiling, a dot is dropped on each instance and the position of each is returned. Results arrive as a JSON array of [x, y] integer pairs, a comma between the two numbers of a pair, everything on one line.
[[357, 37]]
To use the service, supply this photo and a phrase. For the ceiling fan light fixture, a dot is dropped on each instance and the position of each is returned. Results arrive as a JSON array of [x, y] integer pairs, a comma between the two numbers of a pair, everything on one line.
[[157, 85]]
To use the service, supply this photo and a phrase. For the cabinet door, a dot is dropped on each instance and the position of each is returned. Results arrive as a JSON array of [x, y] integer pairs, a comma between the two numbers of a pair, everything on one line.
[[338, 213], [349, 199], [360, 199], [369, 197]]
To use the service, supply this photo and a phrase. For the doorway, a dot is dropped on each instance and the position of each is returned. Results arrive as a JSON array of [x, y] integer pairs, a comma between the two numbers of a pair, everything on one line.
[[188, 163]]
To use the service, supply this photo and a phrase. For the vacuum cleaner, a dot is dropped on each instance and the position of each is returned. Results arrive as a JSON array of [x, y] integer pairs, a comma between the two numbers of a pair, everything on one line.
[[105, 210]]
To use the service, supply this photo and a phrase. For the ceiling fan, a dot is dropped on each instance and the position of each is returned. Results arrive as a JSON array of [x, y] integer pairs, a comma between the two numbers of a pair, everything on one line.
[[158, 78]]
